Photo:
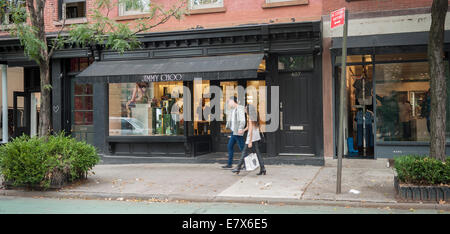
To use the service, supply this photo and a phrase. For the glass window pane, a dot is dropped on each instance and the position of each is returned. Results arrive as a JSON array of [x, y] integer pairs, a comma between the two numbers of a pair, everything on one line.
[[88, 103], [403, 108], [79, 89], [79, 103], [202, 108], [88, 117], [144, 109], [256, 96], [229, 89], [400, 57], [79, 118], [296, 63]]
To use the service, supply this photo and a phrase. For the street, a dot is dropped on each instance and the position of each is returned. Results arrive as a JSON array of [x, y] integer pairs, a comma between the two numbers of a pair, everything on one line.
[[21, 205]]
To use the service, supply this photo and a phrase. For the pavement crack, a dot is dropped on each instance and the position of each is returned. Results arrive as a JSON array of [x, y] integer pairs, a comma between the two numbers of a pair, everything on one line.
[[310, 182]]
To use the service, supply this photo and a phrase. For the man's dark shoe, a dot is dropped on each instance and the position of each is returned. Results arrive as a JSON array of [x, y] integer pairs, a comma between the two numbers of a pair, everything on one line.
[[227, 167]]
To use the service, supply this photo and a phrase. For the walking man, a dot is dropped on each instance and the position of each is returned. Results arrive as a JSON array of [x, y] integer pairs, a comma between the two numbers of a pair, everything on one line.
[[235, 122]]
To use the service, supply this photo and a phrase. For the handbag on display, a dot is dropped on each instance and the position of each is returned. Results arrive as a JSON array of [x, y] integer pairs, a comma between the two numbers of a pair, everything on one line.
[[251, 162]]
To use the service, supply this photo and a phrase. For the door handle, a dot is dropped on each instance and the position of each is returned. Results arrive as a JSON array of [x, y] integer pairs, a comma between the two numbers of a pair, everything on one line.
[[281, 120]]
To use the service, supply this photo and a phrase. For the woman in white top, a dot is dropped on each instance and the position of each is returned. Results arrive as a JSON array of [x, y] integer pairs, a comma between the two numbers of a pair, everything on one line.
[[252, 142]]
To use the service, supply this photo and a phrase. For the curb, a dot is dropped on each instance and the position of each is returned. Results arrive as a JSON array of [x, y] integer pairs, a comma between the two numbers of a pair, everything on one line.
[[206, 198]]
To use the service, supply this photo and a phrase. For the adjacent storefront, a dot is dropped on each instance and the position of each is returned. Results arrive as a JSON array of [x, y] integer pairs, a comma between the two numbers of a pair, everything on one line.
[[388, 95]]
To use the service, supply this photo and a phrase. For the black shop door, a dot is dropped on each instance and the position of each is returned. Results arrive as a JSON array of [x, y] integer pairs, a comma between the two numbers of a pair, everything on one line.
[[21, 118], [296, 101]]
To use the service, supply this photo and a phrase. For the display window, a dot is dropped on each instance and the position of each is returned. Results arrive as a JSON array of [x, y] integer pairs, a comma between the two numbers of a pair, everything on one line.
[[202, 107], [146, 109], [256, 96]]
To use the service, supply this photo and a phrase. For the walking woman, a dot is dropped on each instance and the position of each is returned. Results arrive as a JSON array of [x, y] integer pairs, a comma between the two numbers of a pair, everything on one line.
[[252, 142]]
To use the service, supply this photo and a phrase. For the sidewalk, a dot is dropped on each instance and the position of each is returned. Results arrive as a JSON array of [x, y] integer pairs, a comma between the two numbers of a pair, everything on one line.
[[287, 184]]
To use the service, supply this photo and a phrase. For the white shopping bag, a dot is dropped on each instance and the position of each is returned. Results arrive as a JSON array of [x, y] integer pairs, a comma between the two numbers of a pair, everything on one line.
[[251, 162]]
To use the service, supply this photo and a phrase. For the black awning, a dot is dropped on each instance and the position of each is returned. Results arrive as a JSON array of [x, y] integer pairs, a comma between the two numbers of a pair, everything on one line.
[[243, 66]]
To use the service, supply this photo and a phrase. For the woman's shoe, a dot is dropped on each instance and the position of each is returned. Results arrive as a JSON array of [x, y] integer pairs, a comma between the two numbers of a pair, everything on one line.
[[262, 172], [236, 171]]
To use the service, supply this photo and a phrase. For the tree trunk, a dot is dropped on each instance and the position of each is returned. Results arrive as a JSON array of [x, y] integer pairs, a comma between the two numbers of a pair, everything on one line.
[[438, 80], [45, 109]]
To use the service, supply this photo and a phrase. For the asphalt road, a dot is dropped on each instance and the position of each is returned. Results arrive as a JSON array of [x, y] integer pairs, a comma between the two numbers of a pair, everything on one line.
[[20, 205]]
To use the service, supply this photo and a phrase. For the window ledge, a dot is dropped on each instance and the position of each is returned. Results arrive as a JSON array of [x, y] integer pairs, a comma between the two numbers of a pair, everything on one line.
[[287, 3], [131, 17], [207, 10], [71, 21]]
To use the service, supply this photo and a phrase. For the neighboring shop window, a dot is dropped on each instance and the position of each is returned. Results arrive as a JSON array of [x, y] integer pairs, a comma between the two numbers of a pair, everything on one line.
[[202, 107], [83, 104], [256, 96], [146, 109], [134, 7], [79, 64], [73, 9], [202, 4], [296, 63], [403, 101], [229, 89]]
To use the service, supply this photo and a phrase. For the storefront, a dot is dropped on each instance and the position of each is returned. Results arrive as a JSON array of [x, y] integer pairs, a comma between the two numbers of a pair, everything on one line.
[[387, 107], [158, 101]]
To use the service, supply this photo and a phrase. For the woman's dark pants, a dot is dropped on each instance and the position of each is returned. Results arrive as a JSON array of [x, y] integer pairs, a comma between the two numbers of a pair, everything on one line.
[[246, 151]]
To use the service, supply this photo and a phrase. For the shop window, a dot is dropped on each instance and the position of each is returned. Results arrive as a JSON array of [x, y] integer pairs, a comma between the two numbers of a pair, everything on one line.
[[202, 107], [229, 89], [403, 101], [256, 96], [296, 63], [400, 57], [203, 4], [83, 104], [134, 7], [146, 109], [355, 59], [73, 9], [79, 64]]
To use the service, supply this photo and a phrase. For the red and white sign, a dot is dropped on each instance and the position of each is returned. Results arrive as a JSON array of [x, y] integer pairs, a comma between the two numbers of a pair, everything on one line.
[[337, 18]]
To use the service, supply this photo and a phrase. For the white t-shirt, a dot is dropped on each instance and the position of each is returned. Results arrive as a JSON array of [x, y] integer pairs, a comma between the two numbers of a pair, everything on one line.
[[255, 137]]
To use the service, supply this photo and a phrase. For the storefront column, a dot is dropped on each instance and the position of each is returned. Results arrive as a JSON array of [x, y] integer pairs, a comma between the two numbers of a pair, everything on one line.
[[5, 102]]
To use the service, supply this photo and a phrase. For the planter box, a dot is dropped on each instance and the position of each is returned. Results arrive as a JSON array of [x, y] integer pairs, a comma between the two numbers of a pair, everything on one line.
[[422, 193]]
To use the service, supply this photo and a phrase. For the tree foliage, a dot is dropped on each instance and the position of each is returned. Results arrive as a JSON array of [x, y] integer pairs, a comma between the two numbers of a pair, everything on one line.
[[25, 19], [112, 35]]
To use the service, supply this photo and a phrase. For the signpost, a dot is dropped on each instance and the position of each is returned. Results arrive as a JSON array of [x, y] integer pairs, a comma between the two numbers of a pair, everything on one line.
[[338, 18]]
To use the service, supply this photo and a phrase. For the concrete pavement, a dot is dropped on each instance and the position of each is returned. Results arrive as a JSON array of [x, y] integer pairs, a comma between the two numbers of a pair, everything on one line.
[[287, 184]]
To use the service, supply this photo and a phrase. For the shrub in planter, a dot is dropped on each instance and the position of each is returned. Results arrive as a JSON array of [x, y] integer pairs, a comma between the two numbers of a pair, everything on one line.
[[421, 170], [42, 162]]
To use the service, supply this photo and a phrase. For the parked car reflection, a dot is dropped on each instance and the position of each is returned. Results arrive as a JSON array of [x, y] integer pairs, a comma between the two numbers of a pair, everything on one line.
[[125, 126]]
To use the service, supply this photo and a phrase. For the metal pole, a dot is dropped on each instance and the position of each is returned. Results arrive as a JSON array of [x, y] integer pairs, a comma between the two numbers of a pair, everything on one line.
[[341, 105], [5, 103]]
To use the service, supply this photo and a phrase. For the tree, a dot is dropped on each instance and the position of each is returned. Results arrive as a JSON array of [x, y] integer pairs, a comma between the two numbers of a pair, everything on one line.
[[101, 31], [438, 79]]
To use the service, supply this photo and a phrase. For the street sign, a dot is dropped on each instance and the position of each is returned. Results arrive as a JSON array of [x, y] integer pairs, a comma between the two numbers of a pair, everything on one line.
[[337, 18]]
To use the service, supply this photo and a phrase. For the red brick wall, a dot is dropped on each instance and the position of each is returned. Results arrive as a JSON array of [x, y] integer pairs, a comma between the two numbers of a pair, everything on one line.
[[237, 12], [358, 6]]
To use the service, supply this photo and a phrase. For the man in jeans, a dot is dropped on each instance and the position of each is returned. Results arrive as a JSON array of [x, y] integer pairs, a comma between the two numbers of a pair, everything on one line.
[[235, 122]]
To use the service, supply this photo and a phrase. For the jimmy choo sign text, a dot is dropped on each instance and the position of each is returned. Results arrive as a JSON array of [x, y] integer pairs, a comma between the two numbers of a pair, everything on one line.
[[162, 77]]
